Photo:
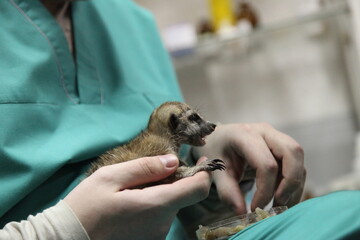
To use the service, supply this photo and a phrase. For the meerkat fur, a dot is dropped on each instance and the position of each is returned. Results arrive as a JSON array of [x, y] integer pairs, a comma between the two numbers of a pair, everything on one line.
[[170, 125]]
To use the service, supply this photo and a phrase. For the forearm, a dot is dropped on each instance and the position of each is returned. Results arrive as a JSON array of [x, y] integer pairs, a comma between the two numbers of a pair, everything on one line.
[[58, 222]]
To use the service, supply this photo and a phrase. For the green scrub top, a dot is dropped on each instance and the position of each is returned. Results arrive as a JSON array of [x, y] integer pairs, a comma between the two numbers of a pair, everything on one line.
[[56, 114]]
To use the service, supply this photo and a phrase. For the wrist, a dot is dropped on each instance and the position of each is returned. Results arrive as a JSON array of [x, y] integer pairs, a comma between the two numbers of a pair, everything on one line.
[[65, 222]]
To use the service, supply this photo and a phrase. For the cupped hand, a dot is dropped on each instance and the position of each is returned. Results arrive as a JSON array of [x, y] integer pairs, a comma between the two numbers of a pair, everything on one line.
[[109, 207], [258, 151]]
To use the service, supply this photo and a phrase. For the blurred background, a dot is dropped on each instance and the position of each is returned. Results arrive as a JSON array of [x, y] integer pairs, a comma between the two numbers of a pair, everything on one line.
[[291, 63]]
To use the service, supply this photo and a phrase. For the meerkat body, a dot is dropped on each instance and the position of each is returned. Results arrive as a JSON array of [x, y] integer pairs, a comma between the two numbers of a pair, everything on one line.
[[170, 125]]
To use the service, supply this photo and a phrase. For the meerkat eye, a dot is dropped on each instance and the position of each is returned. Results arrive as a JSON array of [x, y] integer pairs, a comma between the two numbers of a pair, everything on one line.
[[194, 117]]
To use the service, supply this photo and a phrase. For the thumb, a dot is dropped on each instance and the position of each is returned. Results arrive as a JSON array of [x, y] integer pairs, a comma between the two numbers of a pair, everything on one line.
[[140, 171]]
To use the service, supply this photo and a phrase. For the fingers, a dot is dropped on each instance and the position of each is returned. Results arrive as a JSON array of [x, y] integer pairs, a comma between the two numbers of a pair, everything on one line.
[[257, 154], [261, 159], [182, 193], [139, 171], [289, 194], [229, 192], [293, 173], [276, 159], [179, 194], [267, 150], [170, 197], [192, 189], [289, 151]]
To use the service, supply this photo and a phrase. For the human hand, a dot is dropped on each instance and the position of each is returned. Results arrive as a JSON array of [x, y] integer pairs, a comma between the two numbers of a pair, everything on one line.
[[109, 208], [275, 160]]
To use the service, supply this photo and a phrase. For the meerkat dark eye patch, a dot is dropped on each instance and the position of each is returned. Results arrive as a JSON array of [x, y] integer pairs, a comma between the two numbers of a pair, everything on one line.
[[194, 117], [174, 121]]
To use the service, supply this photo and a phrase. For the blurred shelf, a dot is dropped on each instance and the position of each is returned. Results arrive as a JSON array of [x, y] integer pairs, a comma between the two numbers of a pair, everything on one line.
[[261, 32], [286, 24]]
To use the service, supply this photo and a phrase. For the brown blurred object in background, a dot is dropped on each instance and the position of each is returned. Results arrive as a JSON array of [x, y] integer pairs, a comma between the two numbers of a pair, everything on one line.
[[205, 26], [245, 12]]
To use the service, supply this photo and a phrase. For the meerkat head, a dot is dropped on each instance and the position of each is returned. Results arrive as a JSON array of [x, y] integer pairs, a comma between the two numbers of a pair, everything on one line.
[[181, 123]]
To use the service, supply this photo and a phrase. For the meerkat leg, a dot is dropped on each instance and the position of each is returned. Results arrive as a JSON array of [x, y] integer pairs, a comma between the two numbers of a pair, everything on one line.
[[187, 171], [208, 165]]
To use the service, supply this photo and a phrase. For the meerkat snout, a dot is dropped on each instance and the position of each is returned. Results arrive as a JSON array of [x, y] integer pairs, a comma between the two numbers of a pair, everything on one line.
[[190, 128], [210, 127]]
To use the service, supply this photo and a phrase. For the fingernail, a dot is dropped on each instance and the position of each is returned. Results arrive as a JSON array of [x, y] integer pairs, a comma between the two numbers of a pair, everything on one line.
[[169, 160]]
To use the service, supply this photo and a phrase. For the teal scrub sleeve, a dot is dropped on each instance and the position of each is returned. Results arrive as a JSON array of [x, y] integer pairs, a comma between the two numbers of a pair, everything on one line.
[[333, 216], [177, 231]]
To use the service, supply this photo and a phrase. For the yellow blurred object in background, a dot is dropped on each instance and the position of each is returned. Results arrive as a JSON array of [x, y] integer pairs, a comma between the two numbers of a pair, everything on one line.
[[221, 13]]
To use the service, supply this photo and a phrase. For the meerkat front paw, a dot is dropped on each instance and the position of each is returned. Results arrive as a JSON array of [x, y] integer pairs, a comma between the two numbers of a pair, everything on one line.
[[211, 165], [186, 171], [208, 165]]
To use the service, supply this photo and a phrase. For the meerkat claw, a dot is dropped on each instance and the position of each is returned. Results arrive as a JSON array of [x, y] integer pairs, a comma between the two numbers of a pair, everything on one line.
[[218, 161], [216, 164]]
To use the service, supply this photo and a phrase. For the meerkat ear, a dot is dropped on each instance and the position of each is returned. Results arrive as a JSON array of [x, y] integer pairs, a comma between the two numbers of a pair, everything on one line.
[[174, 121]]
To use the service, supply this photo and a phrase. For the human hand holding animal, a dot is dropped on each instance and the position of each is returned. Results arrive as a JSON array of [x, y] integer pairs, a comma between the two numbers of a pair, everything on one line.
[[109, 205], [257, 151]]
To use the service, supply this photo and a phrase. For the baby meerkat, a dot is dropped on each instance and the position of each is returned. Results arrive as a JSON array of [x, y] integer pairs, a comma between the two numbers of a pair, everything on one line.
[[169, 126]]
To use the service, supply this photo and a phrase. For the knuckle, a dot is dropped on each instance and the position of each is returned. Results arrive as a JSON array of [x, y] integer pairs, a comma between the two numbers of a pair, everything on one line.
[[298, 151], [247, 127], [255, 128], [148, 166], [265, 125], [243, 127], [103, 174], [271, 167]]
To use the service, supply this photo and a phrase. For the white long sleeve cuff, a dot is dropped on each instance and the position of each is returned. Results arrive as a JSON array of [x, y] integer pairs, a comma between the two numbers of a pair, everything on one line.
[[56, 223]]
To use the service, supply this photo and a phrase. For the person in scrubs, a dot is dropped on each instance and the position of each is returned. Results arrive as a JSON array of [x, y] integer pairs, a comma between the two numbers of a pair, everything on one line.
[[81, 77]]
